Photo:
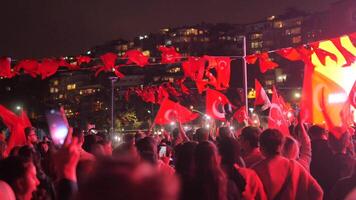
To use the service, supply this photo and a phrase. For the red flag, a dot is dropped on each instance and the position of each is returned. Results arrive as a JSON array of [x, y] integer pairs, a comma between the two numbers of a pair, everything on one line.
[[137, 57], [16, 125], [349, 57], [212, 80], [277, 119], [289, 53], [215, 102], [183, 88], [63, 63], [266, 63], [261, 96], [109, 60], [171, 90], [5, 68], [29, 67], [241, 115], [201, 85], [127, 94], [322, 54], [222, 66], [169, 54], [48, 67], [162, 94], [194, 68], [251, 59], [83, 59], [171, 111]]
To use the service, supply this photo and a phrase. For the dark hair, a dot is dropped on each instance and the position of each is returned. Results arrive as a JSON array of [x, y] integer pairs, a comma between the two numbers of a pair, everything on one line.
[[230, 155], [251, 135], [28, 130], [316, 132], [338, 144], [184, 157], [271, 141], [210, 180], [224, 132], [13, 168], [202, 134], [147, 149], [89, 142]]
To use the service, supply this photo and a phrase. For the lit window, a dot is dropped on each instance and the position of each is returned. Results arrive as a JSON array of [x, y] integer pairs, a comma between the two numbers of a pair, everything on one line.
[[278, 24], [55, 82], [256, 45], [56, 90], [256, 36], [71, 86], [60, 96], [296, 31], [51, 90]]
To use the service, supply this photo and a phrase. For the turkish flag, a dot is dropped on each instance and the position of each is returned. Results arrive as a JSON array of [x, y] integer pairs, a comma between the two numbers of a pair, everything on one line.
[[215, 103], [251, 59], [169, 54], [171, 112], [266, 63], [194, 68], [289, 53], [162, 94], [29, 67], [241, 115], [276, 118], [5, 68], [48, 67], [222, 66], [109, 60], [261, 96], [83, 59], [137, 57]]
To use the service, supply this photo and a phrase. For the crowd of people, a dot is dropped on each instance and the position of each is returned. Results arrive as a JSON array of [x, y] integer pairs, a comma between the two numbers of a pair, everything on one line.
[[309, 163]]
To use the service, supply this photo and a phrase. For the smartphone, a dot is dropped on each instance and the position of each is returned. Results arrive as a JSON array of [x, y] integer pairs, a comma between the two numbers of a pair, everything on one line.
[[162, 151], [57, 125]]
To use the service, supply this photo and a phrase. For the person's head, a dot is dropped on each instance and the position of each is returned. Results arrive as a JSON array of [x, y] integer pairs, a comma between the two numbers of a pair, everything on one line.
[[129, 139], [317, 133], [230, 151], [124, 178], [290, 148], [184, 157], [339, 145], [147, 148], [208, 173], [271, 142], [43, 146], [31, 136], [89, 143], [20, 174], [224, 132], [206, 157], [249, 138], [202, 134], [138, 136], [107, 147]]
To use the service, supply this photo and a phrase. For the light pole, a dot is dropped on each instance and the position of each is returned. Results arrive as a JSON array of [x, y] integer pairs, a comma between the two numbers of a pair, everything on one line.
[[113, 80], [245, 71]]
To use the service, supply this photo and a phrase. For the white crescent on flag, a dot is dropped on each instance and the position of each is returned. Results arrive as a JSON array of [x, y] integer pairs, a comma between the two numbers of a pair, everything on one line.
[[216, 112]]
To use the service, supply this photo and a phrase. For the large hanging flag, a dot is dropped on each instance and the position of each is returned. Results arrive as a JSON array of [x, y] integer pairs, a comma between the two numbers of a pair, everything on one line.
[[261, 97], [215, 103], [221, 65], [172, 112], [194, 68], [276, 118]]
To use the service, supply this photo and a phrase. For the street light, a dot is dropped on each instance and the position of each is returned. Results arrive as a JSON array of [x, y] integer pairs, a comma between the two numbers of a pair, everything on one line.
[[18, 107]]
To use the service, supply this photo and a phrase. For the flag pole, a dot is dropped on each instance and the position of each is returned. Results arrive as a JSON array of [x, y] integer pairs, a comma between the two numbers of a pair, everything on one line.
[[245, 72]]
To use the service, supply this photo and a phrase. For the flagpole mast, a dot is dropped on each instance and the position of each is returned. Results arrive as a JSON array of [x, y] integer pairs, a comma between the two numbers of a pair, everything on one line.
[[245, 72]]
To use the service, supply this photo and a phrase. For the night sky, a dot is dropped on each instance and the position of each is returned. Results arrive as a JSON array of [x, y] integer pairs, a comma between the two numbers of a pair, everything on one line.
[[43, 28]]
